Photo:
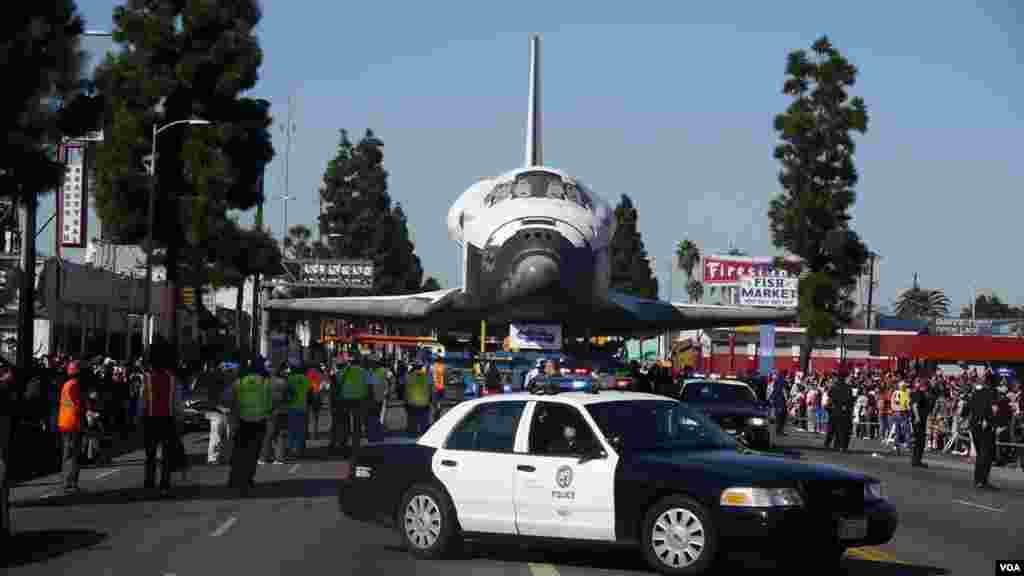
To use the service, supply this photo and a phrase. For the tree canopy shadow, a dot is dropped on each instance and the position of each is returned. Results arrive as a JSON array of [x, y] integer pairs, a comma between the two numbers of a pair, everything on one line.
[[31, 547]]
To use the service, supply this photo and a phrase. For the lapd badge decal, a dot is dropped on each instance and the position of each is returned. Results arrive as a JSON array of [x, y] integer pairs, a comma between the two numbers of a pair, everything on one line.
[[563, 477]]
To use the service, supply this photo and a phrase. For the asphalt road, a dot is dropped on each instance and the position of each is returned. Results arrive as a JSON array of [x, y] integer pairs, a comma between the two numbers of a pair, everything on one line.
[[291, 522]]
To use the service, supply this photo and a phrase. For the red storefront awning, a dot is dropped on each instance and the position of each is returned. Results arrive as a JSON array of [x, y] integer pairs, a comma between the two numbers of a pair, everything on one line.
[[954, 348]]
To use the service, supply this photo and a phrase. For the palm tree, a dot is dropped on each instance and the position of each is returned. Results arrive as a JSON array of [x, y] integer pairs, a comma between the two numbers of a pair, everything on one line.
[[921, 303], [688, 256]]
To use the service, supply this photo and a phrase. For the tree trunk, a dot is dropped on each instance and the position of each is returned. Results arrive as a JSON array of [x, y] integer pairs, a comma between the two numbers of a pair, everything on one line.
[[239, 301], [173, 277], [200, 307], [805, 352], [254, 322]]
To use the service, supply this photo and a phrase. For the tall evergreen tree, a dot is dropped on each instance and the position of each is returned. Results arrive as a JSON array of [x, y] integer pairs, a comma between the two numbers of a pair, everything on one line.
[[41, 60], [181, 60], [631, 267], [360, 222], [811, 217]]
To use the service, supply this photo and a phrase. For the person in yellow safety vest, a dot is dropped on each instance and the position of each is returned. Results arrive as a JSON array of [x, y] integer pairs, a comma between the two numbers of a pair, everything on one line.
[[251, 407], [69, 422], [417, 399], [353, 396]]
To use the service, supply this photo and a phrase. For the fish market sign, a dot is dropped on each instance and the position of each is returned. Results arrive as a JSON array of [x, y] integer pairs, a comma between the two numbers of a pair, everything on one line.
[[778, 292], [331, 273]]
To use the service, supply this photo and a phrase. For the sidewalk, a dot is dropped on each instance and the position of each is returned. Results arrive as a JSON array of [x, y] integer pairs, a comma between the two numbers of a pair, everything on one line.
[[128, 453], [876, 449]]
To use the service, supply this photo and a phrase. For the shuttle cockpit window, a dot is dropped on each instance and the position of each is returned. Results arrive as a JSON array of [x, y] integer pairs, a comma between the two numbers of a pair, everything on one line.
[[540, 185]]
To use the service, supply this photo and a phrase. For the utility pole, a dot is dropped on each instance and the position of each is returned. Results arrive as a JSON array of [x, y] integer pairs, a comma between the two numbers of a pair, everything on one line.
[[871, 288], [289, 129]]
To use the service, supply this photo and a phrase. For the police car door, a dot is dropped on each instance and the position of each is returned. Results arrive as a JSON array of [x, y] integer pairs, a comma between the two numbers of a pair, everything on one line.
[[564, 489]]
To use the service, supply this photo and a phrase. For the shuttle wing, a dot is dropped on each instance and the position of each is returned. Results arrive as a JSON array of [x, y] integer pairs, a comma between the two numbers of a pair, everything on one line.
[[638, 315], [402, 307]]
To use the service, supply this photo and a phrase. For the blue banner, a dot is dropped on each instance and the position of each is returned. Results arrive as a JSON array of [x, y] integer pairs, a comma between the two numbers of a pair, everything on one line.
[[767, 347]]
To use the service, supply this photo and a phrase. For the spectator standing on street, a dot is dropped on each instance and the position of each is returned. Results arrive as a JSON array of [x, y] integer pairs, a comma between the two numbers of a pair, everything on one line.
[[69, 422], [158, 410]]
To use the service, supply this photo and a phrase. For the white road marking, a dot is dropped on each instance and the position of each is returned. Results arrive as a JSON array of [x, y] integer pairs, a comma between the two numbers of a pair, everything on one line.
[[50, 494], [293, 469], [224, 527], [543, 570], [973, 505], [107, 473]]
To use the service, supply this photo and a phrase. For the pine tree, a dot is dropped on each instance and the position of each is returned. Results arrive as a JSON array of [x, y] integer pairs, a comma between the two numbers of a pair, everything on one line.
[[631, 267], [41, 60], [360, 221], [181, 61], [811, 217]]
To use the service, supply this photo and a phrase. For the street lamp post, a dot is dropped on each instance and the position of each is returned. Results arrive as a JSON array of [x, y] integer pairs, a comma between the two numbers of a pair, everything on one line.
[[284, 198], [150, 217]]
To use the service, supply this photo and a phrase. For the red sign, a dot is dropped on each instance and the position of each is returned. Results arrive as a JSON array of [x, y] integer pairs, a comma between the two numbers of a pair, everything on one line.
[[728, 270]]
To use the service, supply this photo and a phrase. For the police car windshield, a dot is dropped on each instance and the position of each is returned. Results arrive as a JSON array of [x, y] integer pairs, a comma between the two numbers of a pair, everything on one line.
[[717, 392], [540, 184], [643, 425]]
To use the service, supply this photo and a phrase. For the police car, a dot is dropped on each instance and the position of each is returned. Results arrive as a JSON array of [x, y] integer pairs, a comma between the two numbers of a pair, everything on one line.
[[610, 468]]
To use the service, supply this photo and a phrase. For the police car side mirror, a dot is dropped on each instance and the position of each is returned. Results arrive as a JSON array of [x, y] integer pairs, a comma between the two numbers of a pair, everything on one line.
[[595, 453]]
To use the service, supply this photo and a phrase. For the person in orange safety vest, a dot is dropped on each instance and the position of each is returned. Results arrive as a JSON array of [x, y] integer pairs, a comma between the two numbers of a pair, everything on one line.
[[69, 422]]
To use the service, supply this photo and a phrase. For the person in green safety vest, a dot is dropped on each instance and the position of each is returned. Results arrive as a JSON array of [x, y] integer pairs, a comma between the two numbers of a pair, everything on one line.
[[251, 406], [417, 398], [353, 397], [298, 389]]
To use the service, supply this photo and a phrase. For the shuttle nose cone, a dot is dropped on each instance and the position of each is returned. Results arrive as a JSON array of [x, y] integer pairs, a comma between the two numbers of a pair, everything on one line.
[[534, 273]]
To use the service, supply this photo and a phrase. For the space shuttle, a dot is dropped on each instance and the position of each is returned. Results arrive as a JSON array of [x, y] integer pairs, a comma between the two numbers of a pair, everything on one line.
[[536, 247]]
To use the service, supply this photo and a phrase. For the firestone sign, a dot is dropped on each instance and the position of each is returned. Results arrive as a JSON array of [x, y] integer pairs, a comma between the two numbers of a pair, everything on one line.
[[730, 270], [775, 292]]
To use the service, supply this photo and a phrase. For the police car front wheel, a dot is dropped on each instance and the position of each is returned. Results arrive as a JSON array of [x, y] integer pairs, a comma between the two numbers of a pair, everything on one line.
[[678, 537], [426, 522]]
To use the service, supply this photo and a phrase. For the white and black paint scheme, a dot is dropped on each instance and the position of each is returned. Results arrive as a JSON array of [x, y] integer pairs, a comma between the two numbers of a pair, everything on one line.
[[536, 248], [494, 468]]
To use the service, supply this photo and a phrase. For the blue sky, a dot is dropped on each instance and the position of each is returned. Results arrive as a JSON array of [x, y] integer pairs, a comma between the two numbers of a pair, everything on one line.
[[671, 103]]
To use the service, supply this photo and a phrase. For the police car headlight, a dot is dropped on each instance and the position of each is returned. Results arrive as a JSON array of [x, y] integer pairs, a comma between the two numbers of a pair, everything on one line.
[[758, 422], [873, 492], [746, 497]]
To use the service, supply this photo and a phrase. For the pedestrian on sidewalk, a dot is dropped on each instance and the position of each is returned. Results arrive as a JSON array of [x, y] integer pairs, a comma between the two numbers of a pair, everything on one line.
[[158, 412], [251, 407], [69, 422]]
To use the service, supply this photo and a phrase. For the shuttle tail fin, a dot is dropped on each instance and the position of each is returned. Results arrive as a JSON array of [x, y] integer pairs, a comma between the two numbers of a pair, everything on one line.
[[534, 150]]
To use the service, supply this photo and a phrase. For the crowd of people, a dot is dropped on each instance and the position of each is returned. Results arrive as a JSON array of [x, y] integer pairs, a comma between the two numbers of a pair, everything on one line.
[[967, 413], [92, 404]]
